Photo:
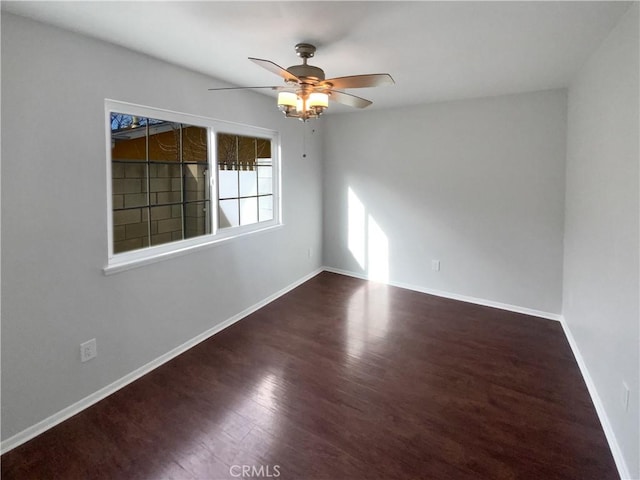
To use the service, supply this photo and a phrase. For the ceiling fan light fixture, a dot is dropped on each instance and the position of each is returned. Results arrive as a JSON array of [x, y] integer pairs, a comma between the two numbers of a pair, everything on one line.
[[312, 90], [303, 105]]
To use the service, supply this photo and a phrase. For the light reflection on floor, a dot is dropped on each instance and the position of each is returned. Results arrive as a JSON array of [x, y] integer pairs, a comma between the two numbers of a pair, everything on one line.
[[367, 320]]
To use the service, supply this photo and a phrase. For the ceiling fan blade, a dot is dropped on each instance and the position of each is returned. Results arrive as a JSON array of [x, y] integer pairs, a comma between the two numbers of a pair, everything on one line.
[[361, 81], [348, 99], [274, 68], [249, 88]]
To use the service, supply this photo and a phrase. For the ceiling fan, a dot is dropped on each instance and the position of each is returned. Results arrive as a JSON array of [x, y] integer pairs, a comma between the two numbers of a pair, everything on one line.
[[306, 92]]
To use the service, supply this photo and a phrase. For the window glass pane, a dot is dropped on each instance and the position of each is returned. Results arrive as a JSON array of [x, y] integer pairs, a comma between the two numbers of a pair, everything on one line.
[[164, 190], [164, 141], [248, 210], [227, 150], [196, 221], [161, 176], [195, 182], [265, 180], [194, 144], [130, 229], [244, 173], [228, 213], [166, 224], [265, 208], [248, 182], [263, 148], [135, 200], [246, 152], [128, 138], [128, 182], [227, 183]]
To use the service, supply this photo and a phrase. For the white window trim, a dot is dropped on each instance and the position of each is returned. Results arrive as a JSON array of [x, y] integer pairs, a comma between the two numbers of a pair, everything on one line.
[[117, 262]]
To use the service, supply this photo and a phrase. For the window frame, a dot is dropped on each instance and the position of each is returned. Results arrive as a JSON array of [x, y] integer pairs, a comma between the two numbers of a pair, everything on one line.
[[117, 262]]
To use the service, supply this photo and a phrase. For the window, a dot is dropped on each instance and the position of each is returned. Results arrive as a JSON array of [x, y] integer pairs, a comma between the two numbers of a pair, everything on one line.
[[178, 181], [245, 180]]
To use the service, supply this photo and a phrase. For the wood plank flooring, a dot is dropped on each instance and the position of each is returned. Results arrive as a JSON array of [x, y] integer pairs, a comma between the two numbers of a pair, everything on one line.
[[344, 379]]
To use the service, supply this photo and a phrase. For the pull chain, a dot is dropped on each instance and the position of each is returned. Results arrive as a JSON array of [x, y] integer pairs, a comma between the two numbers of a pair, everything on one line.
[[304, 139]]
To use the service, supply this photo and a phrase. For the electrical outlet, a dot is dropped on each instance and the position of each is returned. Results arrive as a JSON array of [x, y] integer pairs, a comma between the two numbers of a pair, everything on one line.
[[435, 265], [625, 396], [88, 350]]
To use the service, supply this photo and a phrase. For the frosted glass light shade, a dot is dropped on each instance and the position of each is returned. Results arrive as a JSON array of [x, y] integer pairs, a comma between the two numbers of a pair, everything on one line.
[[287, 99], [317, 99]]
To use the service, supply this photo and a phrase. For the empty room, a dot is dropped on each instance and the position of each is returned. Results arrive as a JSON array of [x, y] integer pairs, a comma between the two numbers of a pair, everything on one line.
[[320, 240]]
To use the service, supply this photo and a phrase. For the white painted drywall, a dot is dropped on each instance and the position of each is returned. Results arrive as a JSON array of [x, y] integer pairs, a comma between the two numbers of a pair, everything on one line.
[[477, 184], [601, 226], [54, 222]]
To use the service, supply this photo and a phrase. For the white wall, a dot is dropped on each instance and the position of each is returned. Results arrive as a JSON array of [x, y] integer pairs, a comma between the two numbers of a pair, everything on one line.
[[601, 226], [54, 222], [477, 184]]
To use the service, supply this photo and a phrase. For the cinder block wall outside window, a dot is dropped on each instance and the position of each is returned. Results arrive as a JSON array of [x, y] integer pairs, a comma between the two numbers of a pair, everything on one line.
[[178, 176]]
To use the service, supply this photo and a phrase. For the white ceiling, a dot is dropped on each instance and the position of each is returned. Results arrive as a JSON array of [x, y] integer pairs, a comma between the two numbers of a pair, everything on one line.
[[434, 50]]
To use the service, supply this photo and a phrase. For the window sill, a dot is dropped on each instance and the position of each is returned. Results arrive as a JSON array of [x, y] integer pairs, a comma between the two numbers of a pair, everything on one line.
[[117, 266]]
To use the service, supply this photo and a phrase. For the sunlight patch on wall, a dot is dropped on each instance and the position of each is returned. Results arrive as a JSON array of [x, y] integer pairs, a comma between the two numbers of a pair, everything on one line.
[[356, 241], [366, 240], [377, 252]]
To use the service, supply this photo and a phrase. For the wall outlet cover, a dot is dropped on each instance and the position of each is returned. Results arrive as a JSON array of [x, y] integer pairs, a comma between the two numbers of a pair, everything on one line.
[[88, 350]]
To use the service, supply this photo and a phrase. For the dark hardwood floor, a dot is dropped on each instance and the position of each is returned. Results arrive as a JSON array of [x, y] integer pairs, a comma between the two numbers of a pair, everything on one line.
[[344, 379]]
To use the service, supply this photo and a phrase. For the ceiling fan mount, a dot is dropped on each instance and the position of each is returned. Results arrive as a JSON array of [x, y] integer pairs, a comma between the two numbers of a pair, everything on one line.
[[306, 92], [305, 50]]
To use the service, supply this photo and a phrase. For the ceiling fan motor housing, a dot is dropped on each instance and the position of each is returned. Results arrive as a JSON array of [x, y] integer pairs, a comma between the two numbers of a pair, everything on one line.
[[307, 73]]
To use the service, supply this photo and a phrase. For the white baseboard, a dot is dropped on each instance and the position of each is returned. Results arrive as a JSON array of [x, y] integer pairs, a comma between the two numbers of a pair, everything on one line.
[[71, 410], [597, 403], [455, 296]]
